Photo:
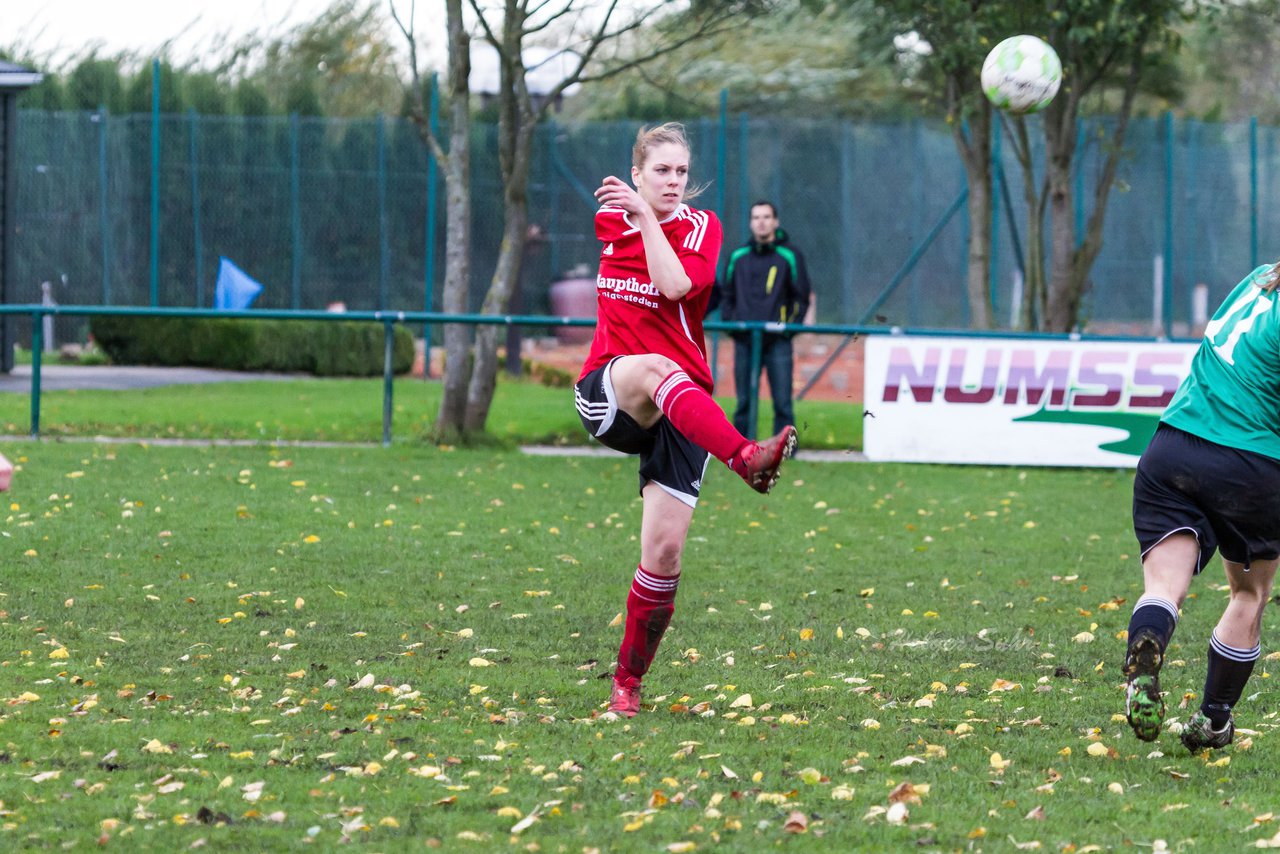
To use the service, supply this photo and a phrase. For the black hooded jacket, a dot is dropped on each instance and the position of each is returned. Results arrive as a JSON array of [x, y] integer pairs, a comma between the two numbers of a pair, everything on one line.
[[765, 281]]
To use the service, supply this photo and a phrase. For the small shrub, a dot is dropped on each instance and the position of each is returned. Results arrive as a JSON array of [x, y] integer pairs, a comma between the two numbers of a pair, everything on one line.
[[548, 375], [324, 348]]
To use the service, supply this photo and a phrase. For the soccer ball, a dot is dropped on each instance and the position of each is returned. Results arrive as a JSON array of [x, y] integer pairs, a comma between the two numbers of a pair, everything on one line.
[[1021, 74]]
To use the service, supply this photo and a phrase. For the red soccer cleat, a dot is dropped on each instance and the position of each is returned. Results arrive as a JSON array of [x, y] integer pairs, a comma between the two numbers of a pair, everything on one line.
[[625, 699], [758, 463]]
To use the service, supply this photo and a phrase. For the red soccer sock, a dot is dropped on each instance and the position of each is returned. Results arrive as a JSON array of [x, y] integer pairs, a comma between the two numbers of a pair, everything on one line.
[[649, 607], [698, 417]]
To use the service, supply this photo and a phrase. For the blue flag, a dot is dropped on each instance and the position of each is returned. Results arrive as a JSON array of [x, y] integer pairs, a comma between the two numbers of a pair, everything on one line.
[[235, 290]]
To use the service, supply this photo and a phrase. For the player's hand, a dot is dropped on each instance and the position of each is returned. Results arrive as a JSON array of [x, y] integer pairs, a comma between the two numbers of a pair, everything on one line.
[[616, 192]]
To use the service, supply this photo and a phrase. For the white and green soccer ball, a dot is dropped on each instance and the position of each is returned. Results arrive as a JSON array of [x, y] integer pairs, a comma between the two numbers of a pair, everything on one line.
[[1021, 74]]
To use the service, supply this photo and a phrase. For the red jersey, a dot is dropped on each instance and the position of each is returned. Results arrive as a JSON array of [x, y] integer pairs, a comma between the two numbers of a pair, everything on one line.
[[633, 318]]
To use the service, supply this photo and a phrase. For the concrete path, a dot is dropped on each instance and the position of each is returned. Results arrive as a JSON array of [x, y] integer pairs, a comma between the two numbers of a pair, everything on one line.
[[120, 378]]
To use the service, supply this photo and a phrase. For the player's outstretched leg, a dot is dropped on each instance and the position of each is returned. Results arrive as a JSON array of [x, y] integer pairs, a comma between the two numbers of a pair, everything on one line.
[[701, 420], [1144, 707], [758, 463]]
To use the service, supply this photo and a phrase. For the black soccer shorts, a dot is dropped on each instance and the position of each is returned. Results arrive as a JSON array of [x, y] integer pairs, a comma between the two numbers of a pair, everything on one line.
[[1228, 498], [667, 458]]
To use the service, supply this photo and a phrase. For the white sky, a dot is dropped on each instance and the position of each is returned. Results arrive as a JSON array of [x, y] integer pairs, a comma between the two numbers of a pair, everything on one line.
[[63, 28], [58, 30]]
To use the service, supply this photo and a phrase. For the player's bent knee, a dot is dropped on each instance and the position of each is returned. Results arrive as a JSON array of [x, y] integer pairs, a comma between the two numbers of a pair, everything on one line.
[[658, 368], [644, 373], [649, 369]]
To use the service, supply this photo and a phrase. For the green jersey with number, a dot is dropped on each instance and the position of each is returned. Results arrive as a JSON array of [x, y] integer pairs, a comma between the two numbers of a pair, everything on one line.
[[1232, 395]]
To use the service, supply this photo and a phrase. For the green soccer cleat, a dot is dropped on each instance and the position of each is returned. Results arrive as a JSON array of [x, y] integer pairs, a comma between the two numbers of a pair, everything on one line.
[[1199, 733], [1143, 705]]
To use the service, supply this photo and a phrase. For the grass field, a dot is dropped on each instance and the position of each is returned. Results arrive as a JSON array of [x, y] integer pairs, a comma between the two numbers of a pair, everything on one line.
[[259, 648], [346, 410]]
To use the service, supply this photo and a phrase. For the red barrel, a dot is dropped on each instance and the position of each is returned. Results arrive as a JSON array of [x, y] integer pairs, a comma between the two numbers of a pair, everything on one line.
[[574, 298]]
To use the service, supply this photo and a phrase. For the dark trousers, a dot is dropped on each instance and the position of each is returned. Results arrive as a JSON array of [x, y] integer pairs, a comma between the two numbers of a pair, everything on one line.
[[775, 358]]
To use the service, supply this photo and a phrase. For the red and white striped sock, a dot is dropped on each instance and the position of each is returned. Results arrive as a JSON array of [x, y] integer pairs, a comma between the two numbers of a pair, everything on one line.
[[698, 417], [650, 605]]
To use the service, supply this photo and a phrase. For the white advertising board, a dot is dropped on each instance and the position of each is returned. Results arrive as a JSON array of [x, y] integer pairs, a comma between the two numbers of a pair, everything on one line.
[[1016, 402]]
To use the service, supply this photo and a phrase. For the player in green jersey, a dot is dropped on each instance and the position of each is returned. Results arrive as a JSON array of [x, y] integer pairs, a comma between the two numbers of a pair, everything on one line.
[[1210, 480]]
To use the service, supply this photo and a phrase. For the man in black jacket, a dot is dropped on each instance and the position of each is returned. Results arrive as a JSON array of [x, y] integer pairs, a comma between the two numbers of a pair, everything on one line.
[[765, 280]]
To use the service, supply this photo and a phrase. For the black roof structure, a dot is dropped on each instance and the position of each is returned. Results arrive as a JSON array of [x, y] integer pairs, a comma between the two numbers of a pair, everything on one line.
[[15, 78]]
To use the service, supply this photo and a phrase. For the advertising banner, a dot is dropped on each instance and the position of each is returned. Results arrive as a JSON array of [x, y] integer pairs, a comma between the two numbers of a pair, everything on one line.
[[1016, 402]]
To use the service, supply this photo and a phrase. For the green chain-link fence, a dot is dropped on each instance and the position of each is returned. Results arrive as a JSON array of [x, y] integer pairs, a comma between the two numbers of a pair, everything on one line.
[[332, 210]]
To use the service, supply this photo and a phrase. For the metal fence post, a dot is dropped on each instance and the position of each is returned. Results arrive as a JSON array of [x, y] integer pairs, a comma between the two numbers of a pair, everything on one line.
[[429, 263], [295, 208], [757, 352], [744, 170], [921, 195], [37, 348], [1253, 190], [104, 218], [1167, 283], [722, 149], [195, 207], [155, 182], [388, 377], [722, 166], [553, 226], [848, 209], [384, 248], [1190, 201], [993, 271]]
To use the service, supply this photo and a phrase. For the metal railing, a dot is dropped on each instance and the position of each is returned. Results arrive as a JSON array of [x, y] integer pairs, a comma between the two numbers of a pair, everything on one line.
[[389, 319]]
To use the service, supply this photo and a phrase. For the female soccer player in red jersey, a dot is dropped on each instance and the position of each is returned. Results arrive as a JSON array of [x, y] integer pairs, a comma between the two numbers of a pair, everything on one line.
[[646, 387]]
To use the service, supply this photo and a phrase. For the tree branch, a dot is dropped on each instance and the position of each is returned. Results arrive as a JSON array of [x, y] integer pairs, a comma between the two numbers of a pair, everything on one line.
[[419, 115]]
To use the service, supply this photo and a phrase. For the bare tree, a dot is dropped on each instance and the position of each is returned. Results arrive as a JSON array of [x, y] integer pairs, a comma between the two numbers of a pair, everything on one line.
[[954, 34], [1102, 50], [1105, 48], [603, 40], [455, 163]]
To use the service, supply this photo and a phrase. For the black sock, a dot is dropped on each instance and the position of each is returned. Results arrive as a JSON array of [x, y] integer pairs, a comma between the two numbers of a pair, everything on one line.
[[1229, 670], [1157, 614]]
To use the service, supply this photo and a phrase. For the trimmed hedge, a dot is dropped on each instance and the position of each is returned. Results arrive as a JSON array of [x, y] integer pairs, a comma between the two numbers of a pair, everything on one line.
[[325, 348]]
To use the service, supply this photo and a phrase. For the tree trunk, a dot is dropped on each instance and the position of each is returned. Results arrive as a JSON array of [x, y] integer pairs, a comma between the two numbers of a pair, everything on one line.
[[484, 376], [978, 170], [981, 311], [1069, 282], [517, 124], [506, 273], [975, 154], [451, 419], [1032, 311], [1066, 289]]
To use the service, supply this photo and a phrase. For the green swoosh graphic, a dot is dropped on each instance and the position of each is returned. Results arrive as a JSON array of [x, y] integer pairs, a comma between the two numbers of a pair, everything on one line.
[[1139, 427]]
